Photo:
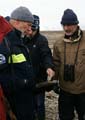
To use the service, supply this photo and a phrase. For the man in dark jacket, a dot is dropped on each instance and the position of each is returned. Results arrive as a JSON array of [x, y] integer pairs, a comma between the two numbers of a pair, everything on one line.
[[42, 63], [16, 73]]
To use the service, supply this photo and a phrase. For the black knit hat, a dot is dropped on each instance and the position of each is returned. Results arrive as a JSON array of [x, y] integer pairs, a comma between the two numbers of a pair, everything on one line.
[[69, 18], [36, 23]]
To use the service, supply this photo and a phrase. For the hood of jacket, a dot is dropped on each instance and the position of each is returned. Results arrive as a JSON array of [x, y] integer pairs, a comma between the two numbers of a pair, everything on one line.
[[5, 28]]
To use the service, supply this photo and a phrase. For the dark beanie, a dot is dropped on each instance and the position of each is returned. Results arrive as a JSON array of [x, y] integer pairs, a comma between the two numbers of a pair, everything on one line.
[[69, 18], [23, 14], [36, 23]]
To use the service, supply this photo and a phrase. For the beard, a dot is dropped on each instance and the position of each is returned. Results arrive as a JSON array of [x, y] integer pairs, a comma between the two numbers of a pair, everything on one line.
[[68, 32]]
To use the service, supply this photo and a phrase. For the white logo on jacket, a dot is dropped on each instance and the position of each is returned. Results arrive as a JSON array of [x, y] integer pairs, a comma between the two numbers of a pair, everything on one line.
[[2, 59]]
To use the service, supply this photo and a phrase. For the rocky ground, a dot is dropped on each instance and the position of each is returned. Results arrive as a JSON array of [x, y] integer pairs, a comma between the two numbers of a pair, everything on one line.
[[51, 104]]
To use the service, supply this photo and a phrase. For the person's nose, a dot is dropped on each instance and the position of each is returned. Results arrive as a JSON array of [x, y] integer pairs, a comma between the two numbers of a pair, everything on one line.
[[30, 32]]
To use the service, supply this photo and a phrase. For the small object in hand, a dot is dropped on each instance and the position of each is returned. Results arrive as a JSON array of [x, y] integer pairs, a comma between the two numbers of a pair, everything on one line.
[[49, 78], [46, 86]]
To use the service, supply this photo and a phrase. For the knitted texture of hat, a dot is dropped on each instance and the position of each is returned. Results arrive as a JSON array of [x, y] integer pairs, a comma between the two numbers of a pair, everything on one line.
[[69, 17], [22, 14], [36, 23]]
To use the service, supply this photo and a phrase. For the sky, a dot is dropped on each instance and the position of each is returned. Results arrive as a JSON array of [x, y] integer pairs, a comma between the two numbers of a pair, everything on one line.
[[49, 11]]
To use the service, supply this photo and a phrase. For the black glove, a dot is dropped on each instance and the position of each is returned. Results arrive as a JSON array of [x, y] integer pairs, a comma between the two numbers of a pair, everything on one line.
[[56, 88]]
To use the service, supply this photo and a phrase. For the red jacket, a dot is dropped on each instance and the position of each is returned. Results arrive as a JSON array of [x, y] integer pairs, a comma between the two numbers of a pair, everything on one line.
[[5, 28], [2, 106]]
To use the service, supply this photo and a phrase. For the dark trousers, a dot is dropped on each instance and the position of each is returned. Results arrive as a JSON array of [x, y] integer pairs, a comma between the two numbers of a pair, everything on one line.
[[70, 102], [39, 106], [23, 105]]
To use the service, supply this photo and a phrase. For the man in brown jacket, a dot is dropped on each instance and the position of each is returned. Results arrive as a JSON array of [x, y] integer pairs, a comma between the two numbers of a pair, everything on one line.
[[69, 60]]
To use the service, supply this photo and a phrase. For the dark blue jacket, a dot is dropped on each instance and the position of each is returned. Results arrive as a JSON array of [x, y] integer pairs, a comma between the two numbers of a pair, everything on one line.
[[15, 65], [41, 56]]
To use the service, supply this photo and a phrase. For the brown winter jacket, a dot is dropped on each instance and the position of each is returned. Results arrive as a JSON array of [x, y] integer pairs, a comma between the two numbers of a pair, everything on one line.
[[78, 86]]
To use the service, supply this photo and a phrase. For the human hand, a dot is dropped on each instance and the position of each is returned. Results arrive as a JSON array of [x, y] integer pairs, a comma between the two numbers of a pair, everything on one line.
[[50, 73]]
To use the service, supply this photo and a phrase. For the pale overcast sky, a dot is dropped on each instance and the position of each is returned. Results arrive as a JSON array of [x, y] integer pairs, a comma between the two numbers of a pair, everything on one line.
[[50, 11]]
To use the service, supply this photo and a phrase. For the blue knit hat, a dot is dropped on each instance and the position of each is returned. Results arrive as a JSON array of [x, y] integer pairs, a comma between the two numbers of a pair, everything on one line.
[[7, 18], [23, 14], [69, 18], [36, 23]]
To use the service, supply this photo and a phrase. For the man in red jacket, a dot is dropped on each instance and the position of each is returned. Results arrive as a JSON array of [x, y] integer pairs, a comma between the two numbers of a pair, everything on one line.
[[5, 28], [5, 107]]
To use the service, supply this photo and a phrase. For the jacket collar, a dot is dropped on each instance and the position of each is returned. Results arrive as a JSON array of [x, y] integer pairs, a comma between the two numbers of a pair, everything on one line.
[[14, 37], [75, 37]]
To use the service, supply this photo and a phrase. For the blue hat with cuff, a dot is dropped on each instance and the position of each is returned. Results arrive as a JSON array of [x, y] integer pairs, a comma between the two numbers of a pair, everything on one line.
[[69, 18]]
